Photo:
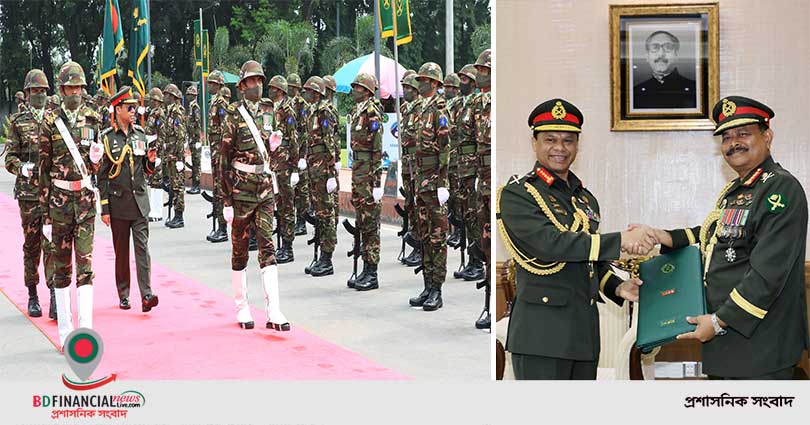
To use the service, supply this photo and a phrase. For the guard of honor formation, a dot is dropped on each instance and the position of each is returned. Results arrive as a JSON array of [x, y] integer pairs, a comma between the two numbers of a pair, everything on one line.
[[752, 243], [275, 163]]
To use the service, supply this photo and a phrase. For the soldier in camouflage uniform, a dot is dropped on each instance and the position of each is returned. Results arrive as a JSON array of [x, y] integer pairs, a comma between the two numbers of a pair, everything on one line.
[[480, 110], [285, 160], [248, 186], [193, 129], [302, 197], [174, 132], [409, 131], [155, 117], [226, 94], [19, 99], [366, 143], [431, 185], [451, 91], [100, 105], [22, 159], [68, 156], [467, 158], [331, 89], [54, 102], [217, 111], [320, 163]]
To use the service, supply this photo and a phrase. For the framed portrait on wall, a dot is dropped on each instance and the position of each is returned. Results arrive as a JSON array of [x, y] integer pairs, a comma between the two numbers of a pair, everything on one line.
[[664, 66]]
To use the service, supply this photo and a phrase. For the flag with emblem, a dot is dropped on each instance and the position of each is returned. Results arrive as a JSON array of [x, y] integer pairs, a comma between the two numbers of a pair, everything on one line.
[[202, 55], [112, 45], [139, 46], [401, 26]]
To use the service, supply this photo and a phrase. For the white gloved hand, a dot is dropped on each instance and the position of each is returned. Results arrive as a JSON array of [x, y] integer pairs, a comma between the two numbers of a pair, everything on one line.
[[275, 140], [443, 194], [337, 168], [197, 145], [157, 162], [179, 165], [377, 193], [47, 231], [228, 213], [150, 139], [141, 110], [302, 164], [27, 169], [331, 185], [294, 179], [96, 152]]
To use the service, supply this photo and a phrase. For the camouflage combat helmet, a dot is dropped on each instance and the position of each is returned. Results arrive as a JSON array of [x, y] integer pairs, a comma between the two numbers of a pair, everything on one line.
[[279, 82], [192, 90], [410, 80], [136, 95], [330, 82], [35, 79], [431, 70], [216, 77], [155, 94], [484, 59], [293, 80], [468, 71], [406, 74], [265, 101], [55, 100], [251, 69], [19, 95], [71, 74], [172, 90], [226, 93], [452, 80], [316, 84], [365, 80]]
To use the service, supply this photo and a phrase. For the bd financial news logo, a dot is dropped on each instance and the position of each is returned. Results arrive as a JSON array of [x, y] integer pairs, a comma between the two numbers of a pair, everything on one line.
[[83, 350]]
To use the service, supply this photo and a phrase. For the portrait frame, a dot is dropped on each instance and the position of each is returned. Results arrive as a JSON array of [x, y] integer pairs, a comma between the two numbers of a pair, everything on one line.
[[685, 85]]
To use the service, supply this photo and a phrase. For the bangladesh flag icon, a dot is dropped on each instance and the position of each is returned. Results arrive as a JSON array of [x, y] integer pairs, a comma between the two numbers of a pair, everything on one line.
[[83, 352]]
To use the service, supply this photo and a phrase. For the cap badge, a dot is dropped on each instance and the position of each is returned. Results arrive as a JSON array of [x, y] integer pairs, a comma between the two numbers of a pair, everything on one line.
[[558, 112], [729, 107]]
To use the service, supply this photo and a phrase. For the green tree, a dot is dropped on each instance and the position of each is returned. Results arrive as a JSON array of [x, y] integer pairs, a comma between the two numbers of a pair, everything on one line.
[[340, 50], [287, 47], [481, 40]]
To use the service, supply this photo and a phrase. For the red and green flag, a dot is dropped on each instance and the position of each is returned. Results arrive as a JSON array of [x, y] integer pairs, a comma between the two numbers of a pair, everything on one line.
[[139, 46], [112, 45], [395, 18]]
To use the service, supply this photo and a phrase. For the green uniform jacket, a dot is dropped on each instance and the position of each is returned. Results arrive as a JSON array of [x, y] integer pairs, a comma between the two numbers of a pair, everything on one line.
[[755, 281], [555, 315], [122, 175]]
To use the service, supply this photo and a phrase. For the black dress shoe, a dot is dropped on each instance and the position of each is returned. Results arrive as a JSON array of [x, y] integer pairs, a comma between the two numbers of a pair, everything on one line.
[[52, 307], [369, 280], [284, 327], [246, 325], [483, 321], [149, 301], [419, 300], [124, 304], [324, 265], [433, 301]]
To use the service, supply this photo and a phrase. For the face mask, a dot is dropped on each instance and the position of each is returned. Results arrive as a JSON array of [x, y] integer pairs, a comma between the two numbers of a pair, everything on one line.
[[466, 88], [450, 93], [190, 99], [308, 96], [358, 95], [482, 80], [72, 102], [253, 94], [410, 94], [425, 87], [37, 100]]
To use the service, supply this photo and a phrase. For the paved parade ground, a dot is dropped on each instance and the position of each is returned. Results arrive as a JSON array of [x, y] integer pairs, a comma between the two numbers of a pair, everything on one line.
[[358, 330]]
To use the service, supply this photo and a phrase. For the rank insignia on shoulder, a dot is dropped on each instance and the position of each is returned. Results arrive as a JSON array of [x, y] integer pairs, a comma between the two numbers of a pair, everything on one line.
[[515, 179], [777, 203], [766, 176], [545, 175]]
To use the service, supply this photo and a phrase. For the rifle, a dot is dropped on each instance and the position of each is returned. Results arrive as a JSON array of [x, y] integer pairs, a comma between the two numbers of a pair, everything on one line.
[[355, 251], [462, 241], [478, 254], [316, 239], [166, 186], [404, 214], [212, 214], [277, 229]]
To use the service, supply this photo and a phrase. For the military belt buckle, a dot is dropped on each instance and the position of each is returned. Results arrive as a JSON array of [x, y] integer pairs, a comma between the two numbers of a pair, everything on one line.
[[76, 185]]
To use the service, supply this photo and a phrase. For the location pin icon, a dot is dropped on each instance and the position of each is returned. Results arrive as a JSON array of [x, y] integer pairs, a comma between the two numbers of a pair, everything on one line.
[[83, 352]]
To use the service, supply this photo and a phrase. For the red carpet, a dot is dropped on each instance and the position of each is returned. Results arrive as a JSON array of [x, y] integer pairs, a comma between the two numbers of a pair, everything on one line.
[[191, 335]]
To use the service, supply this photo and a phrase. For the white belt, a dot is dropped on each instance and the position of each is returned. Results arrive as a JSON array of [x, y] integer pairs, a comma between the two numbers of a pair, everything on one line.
[[249, 168], [72, 185]]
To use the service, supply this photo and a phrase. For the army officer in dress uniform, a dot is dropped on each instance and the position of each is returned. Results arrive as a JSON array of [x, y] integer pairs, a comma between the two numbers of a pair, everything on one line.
[[550, 225], [753, 244], [122, 182]]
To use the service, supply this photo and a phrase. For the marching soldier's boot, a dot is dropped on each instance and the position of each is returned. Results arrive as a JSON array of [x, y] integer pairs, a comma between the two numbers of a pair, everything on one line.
[[300, 226], [324, 265], [52, 308], [195, 189], [84, 303], [285, 254], [434, 300], [34, 310], [473, 271], [211, 234], [275, 318], [484, 321], [308, 269], [65, 317], [455, 238], [414, 259], [176, 222], [353, 280], [368, 279], [419, 300], [221, 235], [240, 298], [155, 204]]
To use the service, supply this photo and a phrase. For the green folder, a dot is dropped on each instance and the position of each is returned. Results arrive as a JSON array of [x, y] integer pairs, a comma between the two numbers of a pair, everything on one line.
[[672, 290]]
